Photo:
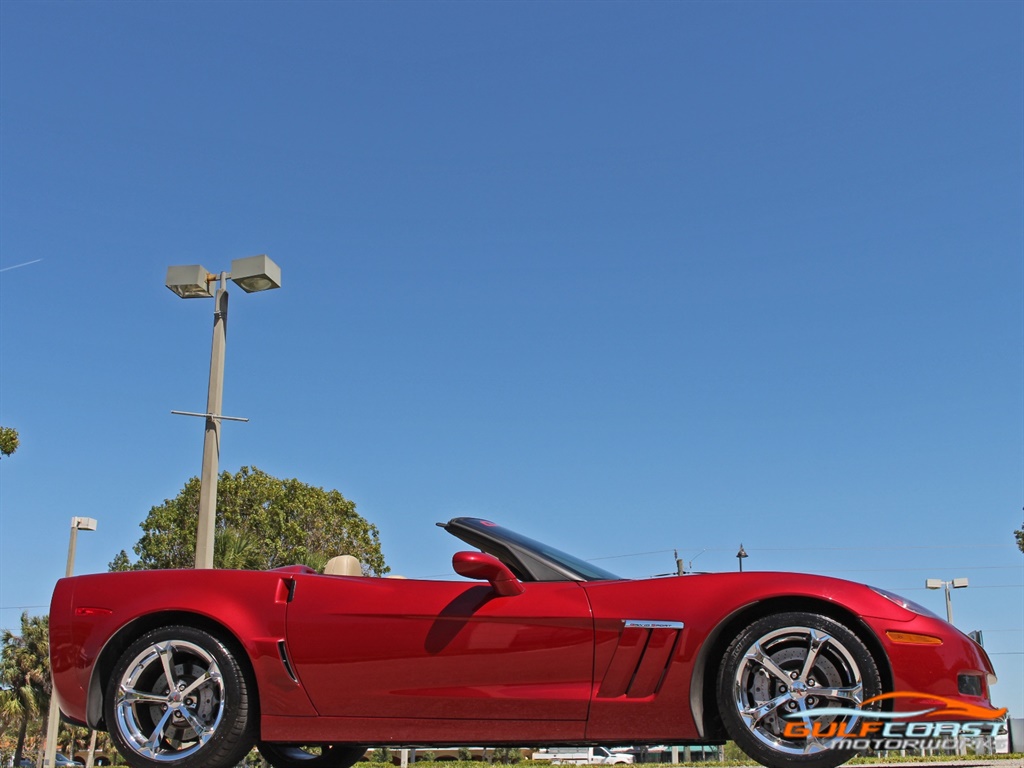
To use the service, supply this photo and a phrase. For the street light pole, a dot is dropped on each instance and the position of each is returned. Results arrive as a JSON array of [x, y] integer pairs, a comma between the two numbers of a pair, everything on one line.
[[252, 274], [53, 722], [940, 584], [211, 441], [740, 556]]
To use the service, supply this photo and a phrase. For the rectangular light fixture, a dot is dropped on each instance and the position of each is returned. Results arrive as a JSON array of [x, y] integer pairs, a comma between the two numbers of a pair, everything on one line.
[[189, 282], [255, 273]]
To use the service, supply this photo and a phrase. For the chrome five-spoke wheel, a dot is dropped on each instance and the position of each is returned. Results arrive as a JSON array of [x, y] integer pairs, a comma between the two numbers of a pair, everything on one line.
[[178, 697], [779, 671]]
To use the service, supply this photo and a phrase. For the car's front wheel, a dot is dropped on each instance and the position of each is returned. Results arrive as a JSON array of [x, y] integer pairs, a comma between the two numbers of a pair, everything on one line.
[[309, 755], [179, 698], [778, 672]]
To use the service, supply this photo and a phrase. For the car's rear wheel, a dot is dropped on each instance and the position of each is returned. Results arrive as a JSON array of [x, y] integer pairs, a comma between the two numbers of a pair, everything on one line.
[[782, 668], [310, 755], [178, 697]]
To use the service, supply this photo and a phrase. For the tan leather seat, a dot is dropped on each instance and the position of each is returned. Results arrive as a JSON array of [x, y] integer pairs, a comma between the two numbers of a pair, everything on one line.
[[343, 565]]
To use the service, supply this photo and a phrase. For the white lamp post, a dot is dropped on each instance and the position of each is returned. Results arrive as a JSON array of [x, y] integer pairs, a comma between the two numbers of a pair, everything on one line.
[[939, 584], [252, 274], [53, 723]]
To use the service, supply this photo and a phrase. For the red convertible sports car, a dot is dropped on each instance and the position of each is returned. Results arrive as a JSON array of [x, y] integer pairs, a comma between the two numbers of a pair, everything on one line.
[[189, 669]]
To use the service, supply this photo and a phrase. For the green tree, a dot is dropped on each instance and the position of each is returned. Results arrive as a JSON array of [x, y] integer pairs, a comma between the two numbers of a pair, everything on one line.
[[8, 441], [1020, 538], [507, 755], [25, 674], [262, 522]]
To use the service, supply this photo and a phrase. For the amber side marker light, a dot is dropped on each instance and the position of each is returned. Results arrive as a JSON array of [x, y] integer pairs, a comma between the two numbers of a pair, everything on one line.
[[86, 611], [913, 639]]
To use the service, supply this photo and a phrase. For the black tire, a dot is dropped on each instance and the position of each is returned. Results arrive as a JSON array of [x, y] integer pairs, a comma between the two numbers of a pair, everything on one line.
[[763, 677], [211, 718], [310, 755]]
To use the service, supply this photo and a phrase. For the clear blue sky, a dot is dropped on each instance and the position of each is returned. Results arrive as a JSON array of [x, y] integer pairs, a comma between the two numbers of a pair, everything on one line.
[[629, 277]]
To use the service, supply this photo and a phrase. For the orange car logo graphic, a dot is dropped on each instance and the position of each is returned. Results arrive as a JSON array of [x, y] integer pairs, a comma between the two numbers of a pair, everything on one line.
[[948, 707]]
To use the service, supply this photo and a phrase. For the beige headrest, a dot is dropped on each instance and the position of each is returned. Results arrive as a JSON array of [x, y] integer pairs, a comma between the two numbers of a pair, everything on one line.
[[343, 565]]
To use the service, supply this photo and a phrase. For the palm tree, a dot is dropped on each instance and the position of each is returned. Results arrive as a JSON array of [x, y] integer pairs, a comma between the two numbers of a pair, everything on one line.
[[25, 674], [236, 549]]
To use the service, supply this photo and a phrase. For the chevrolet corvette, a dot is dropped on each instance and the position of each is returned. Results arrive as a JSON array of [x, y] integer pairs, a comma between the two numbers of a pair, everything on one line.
[[532, 647]]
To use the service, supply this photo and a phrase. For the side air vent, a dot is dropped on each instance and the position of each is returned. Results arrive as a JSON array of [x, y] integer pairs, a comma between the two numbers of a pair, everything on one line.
[[641, 658], [283, 651]]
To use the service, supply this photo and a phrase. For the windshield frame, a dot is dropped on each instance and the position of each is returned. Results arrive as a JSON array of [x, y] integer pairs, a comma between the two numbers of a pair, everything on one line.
[[528, 559]]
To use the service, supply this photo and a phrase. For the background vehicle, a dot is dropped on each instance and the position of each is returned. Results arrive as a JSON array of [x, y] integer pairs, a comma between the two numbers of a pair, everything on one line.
[[583, 756], [60, 761], [188, 669], [99, 759]]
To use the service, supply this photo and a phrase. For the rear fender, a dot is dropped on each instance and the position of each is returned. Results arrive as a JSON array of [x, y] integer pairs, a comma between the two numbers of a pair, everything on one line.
[[245, 610]]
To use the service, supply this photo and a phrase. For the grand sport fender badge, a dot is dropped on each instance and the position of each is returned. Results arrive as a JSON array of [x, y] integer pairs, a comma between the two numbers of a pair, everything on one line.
[[651, 624]]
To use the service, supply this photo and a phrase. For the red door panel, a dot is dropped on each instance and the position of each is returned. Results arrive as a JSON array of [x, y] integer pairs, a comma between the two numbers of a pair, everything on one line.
[[366, 647]]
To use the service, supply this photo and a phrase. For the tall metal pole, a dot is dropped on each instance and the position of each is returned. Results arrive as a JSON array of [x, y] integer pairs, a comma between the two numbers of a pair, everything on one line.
[[211, 442], [947, 586], [72, 546], [53, 721]]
